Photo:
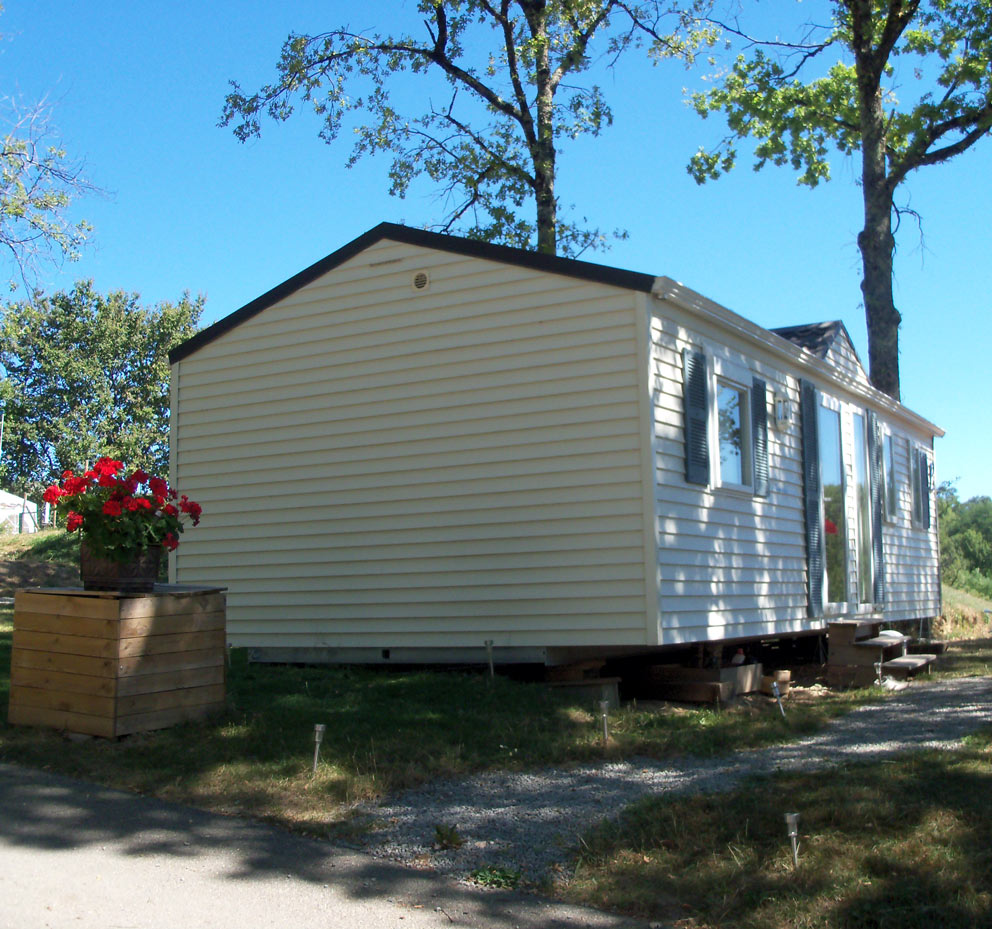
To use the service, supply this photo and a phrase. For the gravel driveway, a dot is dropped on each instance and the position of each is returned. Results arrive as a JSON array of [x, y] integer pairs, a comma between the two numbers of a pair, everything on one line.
[[529, 821]]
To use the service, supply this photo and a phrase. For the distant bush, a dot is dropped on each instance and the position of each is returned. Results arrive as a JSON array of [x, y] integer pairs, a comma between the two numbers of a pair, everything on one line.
[[965, 541]]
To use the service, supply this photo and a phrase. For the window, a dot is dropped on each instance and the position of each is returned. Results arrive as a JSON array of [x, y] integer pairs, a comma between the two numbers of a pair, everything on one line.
[[889, 470], [734, 434], [862, 492], [834, 524]]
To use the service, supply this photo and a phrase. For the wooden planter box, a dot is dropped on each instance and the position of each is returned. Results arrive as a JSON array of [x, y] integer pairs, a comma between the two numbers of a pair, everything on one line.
[[108, 663]]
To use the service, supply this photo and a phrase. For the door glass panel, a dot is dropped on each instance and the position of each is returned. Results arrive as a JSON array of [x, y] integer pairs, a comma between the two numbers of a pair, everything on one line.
[[863, 503], [834, 526]]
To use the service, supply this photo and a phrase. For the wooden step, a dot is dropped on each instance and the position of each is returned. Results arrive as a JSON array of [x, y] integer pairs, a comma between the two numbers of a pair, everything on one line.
[[907, 665], [849, 631], [693, 691]]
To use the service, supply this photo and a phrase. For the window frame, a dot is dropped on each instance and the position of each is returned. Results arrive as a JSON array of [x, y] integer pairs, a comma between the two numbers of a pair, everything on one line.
[[918, 457], [864, 562], [847, 605]]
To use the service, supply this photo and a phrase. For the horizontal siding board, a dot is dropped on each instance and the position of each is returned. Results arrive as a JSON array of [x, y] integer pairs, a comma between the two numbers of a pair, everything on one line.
[[608, 611], [596, 635]]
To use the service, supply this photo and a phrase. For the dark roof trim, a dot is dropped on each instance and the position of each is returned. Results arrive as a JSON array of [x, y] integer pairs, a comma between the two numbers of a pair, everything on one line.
[[569, 267]]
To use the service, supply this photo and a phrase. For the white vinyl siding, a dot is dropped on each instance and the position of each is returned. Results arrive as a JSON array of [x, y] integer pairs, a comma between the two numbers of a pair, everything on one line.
[[379, 467], [730, 564]]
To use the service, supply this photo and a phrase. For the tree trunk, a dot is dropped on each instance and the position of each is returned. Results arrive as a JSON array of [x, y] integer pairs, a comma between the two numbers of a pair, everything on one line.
[[876, 242], [543, 150]]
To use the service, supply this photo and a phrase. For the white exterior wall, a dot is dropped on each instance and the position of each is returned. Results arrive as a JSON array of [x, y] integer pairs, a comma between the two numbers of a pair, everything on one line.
[[379, 467], [730, 564], [912, 573]]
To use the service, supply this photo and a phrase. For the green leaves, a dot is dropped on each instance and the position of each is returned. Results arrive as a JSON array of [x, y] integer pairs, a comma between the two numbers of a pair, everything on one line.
[[86, 375], [941, 52]]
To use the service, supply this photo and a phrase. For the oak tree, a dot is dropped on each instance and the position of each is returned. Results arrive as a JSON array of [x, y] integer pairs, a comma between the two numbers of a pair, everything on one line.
[[900, 84], [491, 140], [87, 375]]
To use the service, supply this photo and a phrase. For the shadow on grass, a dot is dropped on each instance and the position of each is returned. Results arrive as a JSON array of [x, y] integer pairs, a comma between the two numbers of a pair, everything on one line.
[[903, 843]]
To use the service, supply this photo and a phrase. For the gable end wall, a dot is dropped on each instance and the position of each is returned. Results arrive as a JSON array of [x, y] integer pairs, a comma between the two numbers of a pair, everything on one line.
[[384, 468]]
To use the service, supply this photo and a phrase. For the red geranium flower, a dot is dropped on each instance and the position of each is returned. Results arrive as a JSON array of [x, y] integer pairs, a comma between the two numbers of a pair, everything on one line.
[[107, 504], [107, 467]]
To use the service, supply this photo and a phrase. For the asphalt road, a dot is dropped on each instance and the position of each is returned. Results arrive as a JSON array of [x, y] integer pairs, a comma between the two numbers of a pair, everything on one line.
[[86, 857]]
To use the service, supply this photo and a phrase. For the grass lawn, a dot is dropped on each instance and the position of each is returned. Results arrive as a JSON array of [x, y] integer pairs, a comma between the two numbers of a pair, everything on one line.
[[389, 729], [904, 844]]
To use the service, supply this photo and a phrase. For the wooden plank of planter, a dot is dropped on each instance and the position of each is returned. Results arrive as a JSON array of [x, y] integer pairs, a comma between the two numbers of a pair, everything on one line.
[[156, 644], [167, 699], [64, 644], [73, 664], [103, 726], [65, 603], [62, 682], [170, 661], [169, 680], [171, 604], [67, 624], [42, 699], [164, 625]]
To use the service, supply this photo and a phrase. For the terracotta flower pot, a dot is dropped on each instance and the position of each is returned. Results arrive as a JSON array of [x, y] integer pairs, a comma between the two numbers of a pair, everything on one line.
[[136, 575]]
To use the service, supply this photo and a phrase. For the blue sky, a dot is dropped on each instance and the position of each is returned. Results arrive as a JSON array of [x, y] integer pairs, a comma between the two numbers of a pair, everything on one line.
[[138, 88]]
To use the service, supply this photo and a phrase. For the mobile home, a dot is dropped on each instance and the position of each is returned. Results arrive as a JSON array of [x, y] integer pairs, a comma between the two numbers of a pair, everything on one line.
[[422, 444]]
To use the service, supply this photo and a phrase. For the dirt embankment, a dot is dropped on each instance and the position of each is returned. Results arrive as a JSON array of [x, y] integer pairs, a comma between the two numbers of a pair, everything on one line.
[[18, 574]]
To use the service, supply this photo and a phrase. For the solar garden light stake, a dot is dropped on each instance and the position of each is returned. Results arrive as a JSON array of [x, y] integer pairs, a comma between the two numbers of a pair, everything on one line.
[[792, 824], [489, 658], [318, 737], [604, 708], [778, 697]]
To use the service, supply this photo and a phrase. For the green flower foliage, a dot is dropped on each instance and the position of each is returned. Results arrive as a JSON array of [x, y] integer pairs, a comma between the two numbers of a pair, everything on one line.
[[86, 374]]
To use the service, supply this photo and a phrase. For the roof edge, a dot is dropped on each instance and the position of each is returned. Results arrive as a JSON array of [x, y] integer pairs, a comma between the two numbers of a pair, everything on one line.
[[568, 267]]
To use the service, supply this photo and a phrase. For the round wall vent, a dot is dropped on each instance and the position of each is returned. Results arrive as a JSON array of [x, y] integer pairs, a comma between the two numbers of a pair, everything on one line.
[[421, 280]]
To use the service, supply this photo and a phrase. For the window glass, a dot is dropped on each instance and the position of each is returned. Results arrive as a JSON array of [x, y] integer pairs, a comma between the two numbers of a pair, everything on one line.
[[863, 511], [732, 422], [889, 464], [834, 526]]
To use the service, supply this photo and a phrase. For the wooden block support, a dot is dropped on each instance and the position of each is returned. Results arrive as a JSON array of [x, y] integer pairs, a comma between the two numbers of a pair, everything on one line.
[[109, 664]]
